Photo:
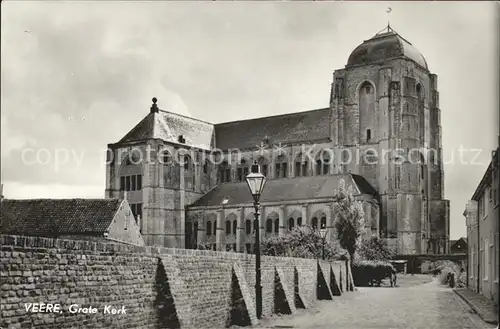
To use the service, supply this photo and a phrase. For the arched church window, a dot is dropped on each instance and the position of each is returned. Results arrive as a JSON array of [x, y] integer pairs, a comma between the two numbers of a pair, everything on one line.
[[235, 225], [291, 223], [205, 167], [323, 160], [323, 223], [195, 235], [263, 166], [209, 228], [242, 170], [281, 167], [315, 223], [187, 162], [276, 225], [224, 172], [299, 221], [269, 225], [228, 227], [301, 165], [248, 226]]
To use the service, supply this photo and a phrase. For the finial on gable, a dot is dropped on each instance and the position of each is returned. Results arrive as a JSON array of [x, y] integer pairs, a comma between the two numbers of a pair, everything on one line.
[[154, 107]]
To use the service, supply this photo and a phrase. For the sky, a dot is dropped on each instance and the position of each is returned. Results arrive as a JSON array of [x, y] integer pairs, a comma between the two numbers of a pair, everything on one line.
[[79, 75]]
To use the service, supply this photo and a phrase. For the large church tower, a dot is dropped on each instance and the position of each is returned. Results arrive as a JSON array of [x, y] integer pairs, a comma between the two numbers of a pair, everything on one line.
[[385, 124]]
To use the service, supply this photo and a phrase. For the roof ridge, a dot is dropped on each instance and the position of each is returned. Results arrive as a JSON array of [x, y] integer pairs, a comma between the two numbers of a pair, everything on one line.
[[136, 127], [185, 116], [273, 116]]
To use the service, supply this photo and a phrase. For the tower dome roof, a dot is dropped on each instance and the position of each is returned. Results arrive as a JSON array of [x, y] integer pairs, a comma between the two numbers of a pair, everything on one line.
[[385, 45]]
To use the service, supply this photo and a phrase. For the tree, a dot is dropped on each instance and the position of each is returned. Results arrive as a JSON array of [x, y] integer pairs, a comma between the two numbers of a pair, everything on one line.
[[375, 249], [302, 242], [350, 219]]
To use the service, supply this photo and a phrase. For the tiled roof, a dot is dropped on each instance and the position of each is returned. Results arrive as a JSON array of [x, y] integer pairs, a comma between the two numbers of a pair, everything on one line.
[[169, 126], [288, 128], [57, 216], [287, 189], [363, 185]]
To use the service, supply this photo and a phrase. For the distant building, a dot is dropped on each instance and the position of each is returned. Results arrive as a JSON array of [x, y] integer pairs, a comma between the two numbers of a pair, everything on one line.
[[482, 217], [81, 219], [458, 246]]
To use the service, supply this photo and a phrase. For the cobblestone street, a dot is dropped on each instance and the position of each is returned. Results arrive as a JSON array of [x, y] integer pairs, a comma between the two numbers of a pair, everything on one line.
[[422, 306]]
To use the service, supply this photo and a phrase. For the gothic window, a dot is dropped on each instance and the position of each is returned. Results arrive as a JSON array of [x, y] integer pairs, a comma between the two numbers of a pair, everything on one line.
[[397, 177], [248, 226], [301, 165], [366, 108], [315, 223], [263, 166], [235, 224], [187, 162], [276, 225], [323, 223], [242, 170], [224, 172], [281, 167], [299, 221], [136, 210], [209, 228], [215, 228], [368, 135], [323, 161], [269, 225], [228, 227], [291, 223], [195, 235], [131, 182], [189, 176]]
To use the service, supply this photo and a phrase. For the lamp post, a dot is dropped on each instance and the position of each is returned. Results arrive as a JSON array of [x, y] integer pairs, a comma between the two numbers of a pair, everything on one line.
[[256, 182], [323, 232]]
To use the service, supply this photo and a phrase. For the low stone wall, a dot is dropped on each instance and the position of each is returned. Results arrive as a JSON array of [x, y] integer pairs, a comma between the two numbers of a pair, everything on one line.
[[157, 287]]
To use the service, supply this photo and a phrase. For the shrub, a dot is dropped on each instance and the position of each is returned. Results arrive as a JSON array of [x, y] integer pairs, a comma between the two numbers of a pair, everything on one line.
[[442, 268], [302, 242], [350, 219], [374, 249], [367, 272], [450, 267]]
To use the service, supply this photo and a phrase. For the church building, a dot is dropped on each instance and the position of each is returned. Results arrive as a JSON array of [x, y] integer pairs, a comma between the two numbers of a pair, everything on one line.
[[379, 134]]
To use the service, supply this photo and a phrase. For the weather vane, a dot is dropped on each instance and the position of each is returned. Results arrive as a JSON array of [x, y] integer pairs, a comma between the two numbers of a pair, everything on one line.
[[388, 11]]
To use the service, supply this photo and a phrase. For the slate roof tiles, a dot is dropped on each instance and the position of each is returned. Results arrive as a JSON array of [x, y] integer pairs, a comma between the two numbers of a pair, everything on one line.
[[61, 216], [287, 189]]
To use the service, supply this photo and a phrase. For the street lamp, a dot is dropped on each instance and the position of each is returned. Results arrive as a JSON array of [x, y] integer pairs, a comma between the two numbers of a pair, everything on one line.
[[323, 232], [256, 182]]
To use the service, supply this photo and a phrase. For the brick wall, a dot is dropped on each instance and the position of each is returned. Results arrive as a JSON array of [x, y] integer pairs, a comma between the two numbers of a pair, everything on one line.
[[159, 287]]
